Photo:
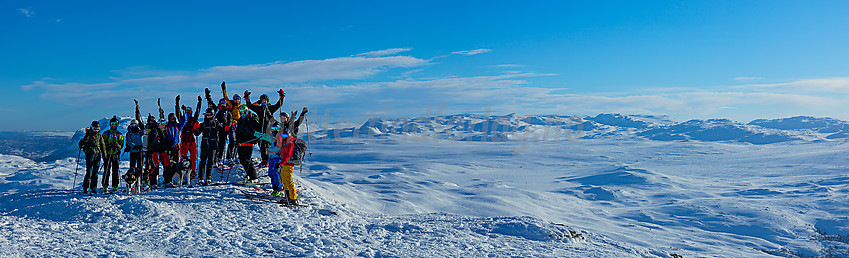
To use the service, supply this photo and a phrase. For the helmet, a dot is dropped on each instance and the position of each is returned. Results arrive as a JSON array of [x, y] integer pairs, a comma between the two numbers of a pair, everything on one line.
[[209, 111], [236, 96], [95, 124], [114, 121], [283, 113]]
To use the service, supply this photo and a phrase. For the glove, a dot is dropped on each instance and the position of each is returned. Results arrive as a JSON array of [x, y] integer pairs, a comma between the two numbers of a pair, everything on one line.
[[136, 101], [304, 112], [183, 107], [247, 94], [222, 85], [282, 94], [200, 99], [178, 98], [206, 90]]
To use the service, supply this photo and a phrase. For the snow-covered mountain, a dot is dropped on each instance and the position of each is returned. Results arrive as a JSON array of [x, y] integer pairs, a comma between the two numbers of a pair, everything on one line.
[[615, 126], [48, 146], [472, 186]]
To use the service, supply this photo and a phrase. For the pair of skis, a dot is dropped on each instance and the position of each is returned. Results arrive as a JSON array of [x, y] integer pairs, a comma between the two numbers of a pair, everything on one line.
[[262, 196]]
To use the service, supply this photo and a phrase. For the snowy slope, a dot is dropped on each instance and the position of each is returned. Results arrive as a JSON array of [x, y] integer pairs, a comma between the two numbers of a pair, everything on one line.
[[610, 192]]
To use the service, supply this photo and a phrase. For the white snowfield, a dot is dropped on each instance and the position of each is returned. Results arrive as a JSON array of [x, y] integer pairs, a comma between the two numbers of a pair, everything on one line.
[[611, 193]]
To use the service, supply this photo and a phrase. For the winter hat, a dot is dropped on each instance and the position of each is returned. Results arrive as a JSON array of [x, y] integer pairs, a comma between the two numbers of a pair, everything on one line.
[[263, 96], [114, 119], [170, 115], [283, 113], [209, 111], [95, 124]]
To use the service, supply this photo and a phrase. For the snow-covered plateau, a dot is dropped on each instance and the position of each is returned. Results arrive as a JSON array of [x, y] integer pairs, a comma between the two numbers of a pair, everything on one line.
[[469, 186]]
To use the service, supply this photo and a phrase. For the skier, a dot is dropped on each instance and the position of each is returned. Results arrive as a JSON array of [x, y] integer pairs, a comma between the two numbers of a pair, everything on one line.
[[265, 115], [210, 128], [234, 105], [94, 147], [134, 145], [188, 145], [225, 118], [156, 145], [291, 127], [247, 126], [286, 146], [114, 142], [172, 135]]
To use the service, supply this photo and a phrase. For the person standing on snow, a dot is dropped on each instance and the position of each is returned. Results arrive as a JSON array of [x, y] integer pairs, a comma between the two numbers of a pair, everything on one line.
[[94, 147], [172, 135], [114, 142], [235, 106], [265, 115], [157, 145], [210, 128], [188, 145], [283, 175], [225, 118], [248, 125], [134, 145]]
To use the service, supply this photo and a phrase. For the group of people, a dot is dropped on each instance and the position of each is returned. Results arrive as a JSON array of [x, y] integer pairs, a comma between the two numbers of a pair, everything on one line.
[[172, 142]]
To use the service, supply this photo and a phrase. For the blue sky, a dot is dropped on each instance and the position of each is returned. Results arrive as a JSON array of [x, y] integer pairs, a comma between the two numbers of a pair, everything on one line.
[[67, 63]]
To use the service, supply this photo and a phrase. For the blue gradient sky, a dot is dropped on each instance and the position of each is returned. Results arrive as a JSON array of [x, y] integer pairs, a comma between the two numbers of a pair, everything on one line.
[[67, 63]]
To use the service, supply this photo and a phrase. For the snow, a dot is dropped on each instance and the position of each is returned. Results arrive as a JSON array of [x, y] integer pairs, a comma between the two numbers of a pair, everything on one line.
[[432, 193]]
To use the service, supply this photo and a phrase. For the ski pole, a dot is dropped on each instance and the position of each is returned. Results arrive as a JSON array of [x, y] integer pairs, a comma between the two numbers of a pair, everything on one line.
[[76, 169]]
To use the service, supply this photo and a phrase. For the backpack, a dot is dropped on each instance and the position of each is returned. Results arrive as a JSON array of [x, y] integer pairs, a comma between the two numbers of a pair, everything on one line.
[[298, 152]]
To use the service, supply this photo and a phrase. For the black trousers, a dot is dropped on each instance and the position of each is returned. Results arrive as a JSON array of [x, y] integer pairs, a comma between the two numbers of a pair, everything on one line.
[[135, 163], [232, 145], [245, 153], [263, 150], [222, 143], [110, 167], [207, 158], [171, 170], [92, 167]]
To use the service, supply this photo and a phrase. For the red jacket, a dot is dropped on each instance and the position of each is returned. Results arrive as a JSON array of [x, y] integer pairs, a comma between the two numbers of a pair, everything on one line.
[[188, 133], [286, 151]]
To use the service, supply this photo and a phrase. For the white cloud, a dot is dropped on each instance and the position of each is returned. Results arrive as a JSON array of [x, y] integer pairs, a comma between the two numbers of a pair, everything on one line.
[[509, 65], [747, 78], [385, 52], [314, 83], [471, 52], [26, 12], [821, 85]]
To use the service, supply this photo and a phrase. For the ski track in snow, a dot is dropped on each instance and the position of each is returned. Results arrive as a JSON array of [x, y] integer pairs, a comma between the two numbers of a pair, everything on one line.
[[390, 197]]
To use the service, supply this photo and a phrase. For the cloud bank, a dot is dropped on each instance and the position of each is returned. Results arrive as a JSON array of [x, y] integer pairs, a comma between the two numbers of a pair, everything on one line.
[[360, 86]]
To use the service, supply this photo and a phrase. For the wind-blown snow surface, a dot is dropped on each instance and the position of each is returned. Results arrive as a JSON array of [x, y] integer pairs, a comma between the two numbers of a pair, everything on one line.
[[413, 195]]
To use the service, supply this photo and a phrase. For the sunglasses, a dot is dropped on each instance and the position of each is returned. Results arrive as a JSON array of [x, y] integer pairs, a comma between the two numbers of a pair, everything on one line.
[[275, 128]]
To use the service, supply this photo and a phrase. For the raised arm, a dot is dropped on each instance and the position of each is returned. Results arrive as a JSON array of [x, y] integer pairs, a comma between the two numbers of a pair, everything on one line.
[[224, 91], [179, 113], [138, 114], [197, 110], [161, 111], [209, 101], [301, 117], [276, 106]]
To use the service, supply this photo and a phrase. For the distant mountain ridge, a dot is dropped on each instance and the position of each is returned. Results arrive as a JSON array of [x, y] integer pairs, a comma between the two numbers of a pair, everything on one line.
[[46, 146]]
